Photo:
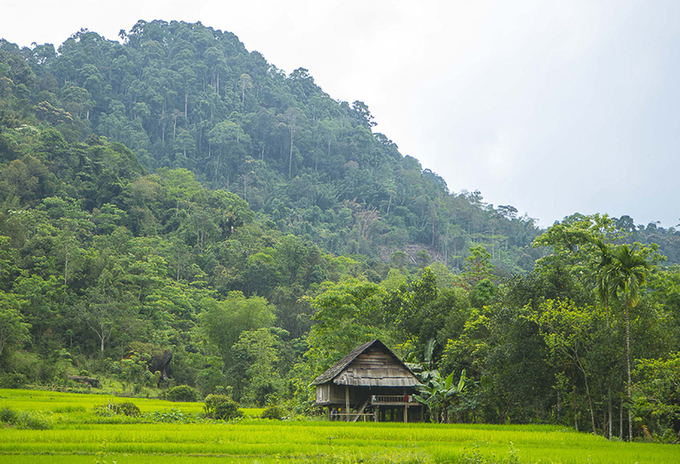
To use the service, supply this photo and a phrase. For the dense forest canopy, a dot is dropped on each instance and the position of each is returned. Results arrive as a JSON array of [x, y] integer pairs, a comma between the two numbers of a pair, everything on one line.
[[174, 195]]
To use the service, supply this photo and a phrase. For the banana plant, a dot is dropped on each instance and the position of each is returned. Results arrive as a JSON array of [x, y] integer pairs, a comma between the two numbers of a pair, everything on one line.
[[440, 394]]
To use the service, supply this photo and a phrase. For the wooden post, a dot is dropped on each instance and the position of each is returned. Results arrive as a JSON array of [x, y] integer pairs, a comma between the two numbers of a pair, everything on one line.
[[347, 403], [405, 406]]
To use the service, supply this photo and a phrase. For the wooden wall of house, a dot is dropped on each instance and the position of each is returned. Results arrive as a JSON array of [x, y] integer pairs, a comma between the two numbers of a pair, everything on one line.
[[329, 393]]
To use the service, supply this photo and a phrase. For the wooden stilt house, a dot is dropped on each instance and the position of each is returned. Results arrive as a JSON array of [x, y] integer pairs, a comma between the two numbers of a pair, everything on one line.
[[369, 383]]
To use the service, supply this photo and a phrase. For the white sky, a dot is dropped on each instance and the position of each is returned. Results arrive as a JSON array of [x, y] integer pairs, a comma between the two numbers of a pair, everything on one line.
[[554, 107]]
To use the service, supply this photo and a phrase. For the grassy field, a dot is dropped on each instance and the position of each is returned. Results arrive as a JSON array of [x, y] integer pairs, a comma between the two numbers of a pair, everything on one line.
[[69, 403], [79, 436]]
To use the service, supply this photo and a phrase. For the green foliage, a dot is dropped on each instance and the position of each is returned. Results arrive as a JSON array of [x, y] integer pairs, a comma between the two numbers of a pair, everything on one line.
[[176, 204], [347, 314], [13, 329], [224, 321], [441, 395], [657, 396], [273, 412], [12, 380], [8, 415], [253, 370], [477, 266], [172, 416], [33, 420], [182, 393], [221, 407], [126, 408]]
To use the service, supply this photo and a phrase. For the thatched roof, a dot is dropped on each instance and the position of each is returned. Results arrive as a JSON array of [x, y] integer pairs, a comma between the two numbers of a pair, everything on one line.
[[371, 364]]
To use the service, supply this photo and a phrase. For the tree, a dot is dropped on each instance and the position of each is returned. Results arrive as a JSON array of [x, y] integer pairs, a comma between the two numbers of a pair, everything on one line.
[[13, 329], [347, 314], [293, 117], [224, 321], [568, 333], [254, 367], [626, 274], [246, 83], [478, 265], [228, 136], [106, 314], [658, 395]]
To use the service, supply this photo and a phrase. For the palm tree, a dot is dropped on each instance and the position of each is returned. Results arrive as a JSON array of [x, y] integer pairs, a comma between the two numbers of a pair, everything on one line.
[[624, 274], [604, 290], [603, 274]]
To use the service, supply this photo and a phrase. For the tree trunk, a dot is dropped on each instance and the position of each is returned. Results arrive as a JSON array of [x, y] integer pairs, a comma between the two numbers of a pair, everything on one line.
[[290, 158], [621, 420], [590, 404], [611, 418], [629, 389]]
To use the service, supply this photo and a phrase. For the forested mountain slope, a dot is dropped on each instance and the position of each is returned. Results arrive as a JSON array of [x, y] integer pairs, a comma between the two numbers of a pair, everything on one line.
[[186, 96]]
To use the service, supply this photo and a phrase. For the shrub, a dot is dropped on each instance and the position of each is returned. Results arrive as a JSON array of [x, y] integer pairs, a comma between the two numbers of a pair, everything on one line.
[[182, 393], [103, 410], [273, 412], [126, 408], [13, 380], [221, 407], [8, 415]]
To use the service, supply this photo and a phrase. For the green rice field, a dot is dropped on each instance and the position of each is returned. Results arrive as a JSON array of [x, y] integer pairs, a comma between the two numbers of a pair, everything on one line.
[[77, 435]]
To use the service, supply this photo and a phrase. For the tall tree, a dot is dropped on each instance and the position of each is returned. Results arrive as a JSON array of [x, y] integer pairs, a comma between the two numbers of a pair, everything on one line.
[[293, 117], [627, 273]]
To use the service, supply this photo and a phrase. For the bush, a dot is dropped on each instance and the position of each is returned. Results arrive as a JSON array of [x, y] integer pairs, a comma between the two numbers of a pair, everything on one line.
[[273, 412], [221, 407], [103, 410], [127, 409], [182, 393], [13, 381], [8, 415]]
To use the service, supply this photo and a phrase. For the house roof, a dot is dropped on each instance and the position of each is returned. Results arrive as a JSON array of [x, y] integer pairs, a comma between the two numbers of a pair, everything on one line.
[[370, 364]]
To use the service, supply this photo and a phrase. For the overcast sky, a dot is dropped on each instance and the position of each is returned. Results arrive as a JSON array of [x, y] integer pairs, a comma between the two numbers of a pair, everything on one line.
[[554, 107]]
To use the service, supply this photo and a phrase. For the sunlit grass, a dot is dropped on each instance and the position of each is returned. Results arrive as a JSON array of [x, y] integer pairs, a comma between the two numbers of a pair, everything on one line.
[[75, 438], [73, 403]]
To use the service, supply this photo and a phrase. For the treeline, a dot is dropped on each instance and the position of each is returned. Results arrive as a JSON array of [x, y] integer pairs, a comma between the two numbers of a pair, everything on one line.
[[161, 265]]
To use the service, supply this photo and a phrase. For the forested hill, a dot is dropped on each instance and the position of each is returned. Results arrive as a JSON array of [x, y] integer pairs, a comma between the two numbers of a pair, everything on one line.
[[186, 96]]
